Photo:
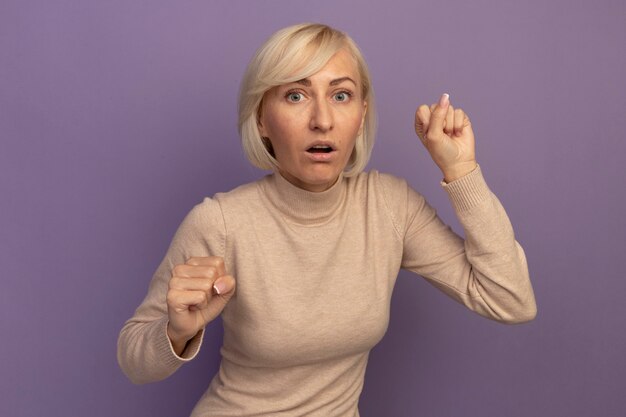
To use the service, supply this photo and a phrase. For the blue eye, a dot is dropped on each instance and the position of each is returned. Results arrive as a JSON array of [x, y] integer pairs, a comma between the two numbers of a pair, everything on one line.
[[342, 96], [294, 97]]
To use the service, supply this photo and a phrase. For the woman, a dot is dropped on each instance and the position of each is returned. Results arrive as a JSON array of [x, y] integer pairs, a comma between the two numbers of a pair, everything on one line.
[[315, 248]]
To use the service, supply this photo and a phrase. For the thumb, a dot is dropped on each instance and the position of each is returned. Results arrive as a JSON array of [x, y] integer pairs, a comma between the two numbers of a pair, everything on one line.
[[224, 287], [223, 291], [438, 116]]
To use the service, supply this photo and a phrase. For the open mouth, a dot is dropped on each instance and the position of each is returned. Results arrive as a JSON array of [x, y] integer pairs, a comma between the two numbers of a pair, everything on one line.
[[320, 149]]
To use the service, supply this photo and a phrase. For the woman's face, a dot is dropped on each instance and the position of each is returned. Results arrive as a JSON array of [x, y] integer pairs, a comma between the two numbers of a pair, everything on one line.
[[313, 123]]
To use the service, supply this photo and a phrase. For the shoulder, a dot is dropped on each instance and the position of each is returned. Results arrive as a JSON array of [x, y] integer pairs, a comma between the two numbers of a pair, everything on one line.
[[390, 194], [204, 219], [210, 207], [210, 211], [391, 188], [240, 194], [229, 209], [375, 178]]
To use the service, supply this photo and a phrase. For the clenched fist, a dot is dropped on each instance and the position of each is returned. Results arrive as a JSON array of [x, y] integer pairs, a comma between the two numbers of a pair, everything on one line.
[[447, 135], [198, 292]]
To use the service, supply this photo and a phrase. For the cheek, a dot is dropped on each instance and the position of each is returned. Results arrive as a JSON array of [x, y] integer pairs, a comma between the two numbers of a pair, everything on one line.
[[353, 115], [281, 134], [354, 125], [277, 125]]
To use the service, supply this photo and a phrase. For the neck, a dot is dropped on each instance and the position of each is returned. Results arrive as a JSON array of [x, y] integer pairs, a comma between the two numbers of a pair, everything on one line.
[[301, 205], [314, 188]]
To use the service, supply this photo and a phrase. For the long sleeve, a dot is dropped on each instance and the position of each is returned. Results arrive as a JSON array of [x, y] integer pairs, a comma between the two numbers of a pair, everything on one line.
[[144, 351], [487, 272]]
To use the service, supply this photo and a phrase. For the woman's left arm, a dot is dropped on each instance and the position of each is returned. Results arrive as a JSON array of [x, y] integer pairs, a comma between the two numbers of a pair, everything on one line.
[[487, 271]]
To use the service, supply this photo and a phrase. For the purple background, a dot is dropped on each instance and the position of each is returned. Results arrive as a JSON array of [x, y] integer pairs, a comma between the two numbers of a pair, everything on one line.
[[116, 117]]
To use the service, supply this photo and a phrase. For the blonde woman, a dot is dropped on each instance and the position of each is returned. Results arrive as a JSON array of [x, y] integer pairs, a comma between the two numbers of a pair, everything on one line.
[[302, 263]]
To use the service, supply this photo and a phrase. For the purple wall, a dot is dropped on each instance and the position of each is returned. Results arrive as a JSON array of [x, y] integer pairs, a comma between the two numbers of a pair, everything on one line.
[[116, 117]]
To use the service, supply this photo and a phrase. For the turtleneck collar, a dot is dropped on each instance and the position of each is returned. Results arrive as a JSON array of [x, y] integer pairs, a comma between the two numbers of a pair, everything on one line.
[[302, 206]]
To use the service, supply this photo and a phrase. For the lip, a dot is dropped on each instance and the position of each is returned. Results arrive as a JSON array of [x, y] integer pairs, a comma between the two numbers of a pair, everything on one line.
[[321, 156], [327, 143]]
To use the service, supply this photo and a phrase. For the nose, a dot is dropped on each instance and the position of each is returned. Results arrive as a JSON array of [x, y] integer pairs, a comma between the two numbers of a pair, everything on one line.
[[321, 116]]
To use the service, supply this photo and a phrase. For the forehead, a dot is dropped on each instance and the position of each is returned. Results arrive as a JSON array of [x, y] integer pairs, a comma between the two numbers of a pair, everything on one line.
[[341, 64]]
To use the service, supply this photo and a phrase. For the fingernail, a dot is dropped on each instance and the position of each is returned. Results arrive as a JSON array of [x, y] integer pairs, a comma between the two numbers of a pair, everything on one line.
[[219, 287], [444, 100]]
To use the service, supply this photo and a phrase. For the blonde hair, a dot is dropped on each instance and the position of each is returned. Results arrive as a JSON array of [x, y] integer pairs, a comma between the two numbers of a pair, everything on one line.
[[289, 55]]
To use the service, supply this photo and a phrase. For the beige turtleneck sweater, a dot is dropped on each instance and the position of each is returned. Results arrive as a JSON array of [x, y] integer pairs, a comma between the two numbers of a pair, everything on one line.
[[315, 274]]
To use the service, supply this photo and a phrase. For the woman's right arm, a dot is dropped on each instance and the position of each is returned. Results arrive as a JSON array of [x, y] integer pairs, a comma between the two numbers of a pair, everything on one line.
[[198, 292], [167, 327]]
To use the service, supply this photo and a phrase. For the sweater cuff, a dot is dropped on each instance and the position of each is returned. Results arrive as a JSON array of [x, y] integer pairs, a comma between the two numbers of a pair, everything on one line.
[[164, 346], [468, 191]]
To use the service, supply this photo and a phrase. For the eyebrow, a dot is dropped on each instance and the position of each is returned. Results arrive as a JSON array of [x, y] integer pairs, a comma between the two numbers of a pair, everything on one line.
[[306, 82]]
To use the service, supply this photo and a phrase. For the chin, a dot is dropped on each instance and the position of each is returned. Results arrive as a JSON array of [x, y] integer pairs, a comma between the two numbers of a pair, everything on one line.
[[314, 178]]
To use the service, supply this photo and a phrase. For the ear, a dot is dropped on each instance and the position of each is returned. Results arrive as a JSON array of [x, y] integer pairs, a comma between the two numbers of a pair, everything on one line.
[[261, 129], [259, 124], [363, 118], [259, 118]]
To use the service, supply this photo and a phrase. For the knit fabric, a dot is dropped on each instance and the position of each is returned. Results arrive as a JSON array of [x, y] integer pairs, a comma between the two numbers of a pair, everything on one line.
[[315, 273]]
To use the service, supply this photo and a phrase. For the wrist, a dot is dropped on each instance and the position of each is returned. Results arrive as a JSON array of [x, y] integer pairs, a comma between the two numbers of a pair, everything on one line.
[[460, 170], [178, 342]]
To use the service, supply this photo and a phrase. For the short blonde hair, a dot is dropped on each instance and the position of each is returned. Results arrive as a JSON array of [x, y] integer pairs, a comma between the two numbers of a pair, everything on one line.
[[289, 55]]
